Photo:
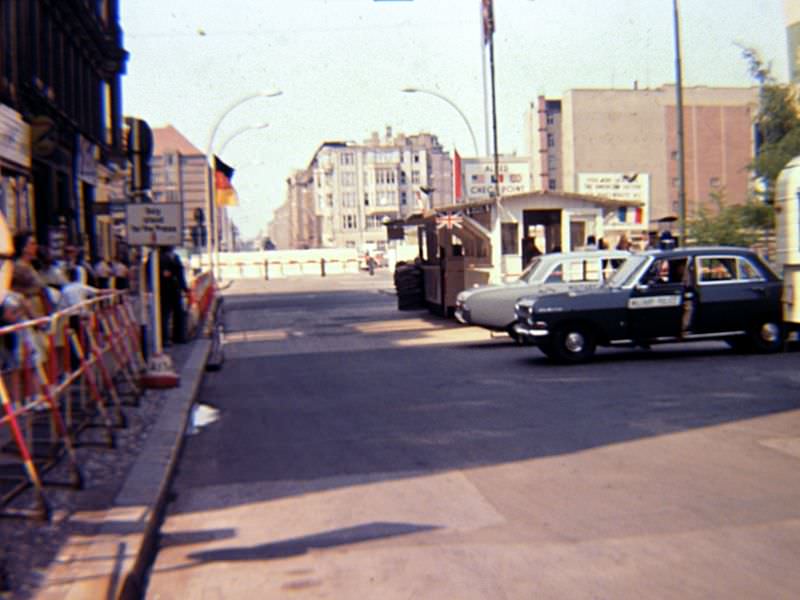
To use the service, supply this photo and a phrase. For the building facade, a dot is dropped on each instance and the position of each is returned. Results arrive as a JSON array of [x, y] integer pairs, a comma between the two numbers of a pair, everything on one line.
[[180, 173], [627, 140], [348, 190], [61, 65]]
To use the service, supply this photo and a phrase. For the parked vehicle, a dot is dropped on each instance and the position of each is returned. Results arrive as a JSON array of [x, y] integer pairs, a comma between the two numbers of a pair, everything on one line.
[[492, 306], [688, 294]]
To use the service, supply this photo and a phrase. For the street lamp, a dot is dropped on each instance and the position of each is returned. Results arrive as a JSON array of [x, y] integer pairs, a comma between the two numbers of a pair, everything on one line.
[[237, 133], [412, 90], [212, 222], [680, 134]]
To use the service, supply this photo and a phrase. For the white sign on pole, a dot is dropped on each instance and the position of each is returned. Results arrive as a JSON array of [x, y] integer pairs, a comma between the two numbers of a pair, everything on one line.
[[158, 224]]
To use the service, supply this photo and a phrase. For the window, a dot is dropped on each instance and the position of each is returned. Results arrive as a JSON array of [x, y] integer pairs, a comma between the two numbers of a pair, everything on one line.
[[348, 179], [402, 177], [346, 158], [366, 198], [716, 269], [414, 176], [416, 157], [551, 119], [403, 198], [349, 222], [509, 234], [714, 182], [551, 140], [551, 184]]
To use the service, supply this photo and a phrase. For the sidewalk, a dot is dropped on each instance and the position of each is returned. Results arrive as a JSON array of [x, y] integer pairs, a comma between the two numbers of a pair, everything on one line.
[[109, 559]]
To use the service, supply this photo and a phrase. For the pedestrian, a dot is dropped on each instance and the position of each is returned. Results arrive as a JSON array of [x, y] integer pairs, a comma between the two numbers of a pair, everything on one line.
[[26, 280], [102, 273], [172, 281], [624, 243], [72, 294], [370, 264], [119, 271]]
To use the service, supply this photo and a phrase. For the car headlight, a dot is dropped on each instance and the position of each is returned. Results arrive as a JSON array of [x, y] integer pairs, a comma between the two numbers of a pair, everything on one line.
[[525, 306]]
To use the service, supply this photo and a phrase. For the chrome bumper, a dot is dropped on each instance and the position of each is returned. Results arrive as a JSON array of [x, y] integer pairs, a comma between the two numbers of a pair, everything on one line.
[[525, 331]]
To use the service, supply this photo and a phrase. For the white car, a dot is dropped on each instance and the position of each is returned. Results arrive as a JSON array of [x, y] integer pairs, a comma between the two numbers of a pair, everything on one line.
[[492, 306]]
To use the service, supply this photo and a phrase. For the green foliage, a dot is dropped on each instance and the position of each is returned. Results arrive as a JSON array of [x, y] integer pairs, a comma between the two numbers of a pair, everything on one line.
[[778, 122], [731, 225]]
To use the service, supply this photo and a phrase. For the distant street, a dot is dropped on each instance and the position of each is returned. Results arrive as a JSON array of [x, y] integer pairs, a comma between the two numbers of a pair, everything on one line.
[[363, 452]]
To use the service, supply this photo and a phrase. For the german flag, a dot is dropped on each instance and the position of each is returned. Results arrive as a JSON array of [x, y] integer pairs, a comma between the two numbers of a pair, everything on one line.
[[224, 193]]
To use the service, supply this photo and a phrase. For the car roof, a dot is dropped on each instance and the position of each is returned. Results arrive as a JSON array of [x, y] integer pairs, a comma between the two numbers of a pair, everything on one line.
[[584, 254], [700, 251]]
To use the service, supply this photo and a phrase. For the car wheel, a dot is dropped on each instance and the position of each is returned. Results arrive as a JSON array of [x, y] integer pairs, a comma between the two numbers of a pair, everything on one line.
[[573, 344], [767, 337]]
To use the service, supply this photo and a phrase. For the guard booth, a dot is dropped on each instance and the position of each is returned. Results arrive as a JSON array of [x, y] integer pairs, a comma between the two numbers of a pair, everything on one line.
[[490, 242]]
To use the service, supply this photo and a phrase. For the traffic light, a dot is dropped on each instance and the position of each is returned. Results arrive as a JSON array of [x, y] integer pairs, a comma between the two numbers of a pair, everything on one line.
[[140, 150]]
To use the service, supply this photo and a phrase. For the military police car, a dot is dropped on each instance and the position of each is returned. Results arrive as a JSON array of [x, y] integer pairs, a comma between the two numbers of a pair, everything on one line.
[[688, 294]]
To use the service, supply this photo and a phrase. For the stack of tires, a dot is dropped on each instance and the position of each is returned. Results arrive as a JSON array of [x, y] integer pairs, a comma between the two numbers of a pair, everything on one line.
[[408, 282]]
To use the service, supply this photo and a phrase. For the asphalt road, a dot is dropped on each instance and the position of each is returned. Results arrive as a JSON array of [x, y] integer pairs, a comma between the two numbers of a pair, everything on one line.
[[364, 452]]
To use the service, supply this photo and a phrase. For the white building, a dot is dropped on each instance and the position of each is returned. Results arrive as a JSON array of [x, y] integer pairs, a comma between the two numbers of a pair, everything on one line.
[[359, 186]]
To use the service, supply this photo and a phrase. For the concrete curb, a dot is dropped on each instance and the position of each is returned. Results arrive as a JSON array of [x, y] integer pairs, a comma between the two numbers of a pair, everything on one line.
[[114, 564], [144, 487]]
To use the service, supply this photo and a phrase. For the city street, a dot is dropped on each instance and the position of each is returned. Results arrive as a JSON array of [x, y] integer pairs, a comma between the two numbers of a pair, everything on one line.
[[364, 452]]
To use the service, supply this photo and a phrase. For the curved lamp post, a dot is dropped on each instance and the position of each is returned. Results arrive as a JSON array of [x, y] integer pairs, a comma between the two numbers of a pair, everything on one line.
[[237, 133], [412, 90], [212, 223]]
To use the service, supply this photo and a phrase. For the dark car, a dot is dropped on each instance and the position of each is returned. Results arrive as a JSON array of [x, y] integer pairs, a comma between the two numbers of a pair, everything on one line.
[[688, 294]]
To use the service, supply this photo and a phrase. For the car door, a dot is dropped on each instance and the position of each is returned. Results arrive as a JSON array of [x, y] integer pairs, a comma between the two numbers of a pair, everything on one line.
[[655, 306], [731, 294]]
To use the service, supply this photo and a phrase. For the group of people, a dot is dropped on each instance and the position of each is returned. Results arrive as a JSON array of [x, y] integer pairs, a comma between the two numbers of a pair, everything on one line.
[[40, 286]]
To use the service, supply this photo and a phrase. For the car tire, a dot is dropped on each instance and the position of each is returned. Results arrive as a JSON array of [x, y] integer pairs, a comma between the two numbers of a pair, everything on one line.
[[573, 344], [767, 337]]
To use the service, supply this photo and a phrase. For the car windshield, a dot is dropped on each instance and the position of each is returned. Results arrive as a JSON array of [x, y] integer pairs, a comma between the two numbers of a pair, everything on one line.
[[530, 270], [627, 272]]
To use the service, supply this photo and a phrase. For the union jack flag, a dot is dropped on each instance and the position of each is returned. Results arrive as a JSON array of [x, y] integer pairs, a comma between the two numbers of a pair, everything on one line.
[[449, 220]]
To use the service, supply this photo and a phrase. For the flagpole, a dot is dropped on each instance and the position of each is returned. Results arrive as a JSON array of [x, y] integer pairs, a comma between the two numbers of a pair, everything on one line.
[[494, 104], [210, 200], [485, 92]]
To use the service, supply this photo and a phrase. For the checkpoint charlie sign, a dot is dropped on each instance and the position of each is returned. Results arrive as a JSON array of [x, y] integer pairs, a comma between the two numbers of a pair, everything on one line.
[[158, 224]]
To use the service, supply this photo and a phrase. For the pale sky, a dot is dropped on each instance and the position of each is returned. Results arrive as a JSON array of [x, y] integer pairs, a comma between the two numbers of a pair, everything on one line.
[[342, 63]]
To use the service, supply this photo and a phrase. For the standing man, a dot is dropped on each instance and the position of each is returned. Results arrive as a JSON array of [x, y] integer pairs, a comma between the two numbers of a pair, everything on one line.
[[173, 285]]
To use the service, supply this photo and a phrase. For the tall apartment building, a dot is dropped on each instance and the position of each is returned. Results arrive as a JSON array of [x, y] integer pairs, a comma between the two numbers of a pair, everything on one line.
[[350, 189], [626, 140], [543, 126], [178, 171], [793, 39]]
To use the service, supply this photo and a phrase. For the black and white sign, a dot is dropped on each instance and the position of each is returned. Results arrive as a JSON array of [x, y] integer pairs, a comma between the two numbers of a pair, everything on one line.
[[158, 224]]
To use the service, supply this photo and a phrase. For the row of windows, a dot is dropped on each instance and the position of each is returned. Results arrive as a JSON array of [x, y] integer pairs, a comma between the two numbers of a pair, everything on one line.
[[348, 158], [373, 222], [382, 177], [348, 199], [48, 59]]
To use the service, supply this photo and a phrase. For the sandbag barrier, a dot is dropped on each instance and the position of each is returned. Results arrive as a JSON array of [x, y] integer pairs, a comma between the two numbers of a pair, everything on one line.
[[63, 374]]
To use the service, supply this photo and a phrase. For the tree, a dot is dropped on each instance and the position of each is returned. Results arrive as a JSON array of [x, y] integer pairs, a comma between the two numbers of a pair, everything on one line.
[[777, 121], [731, 225]]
